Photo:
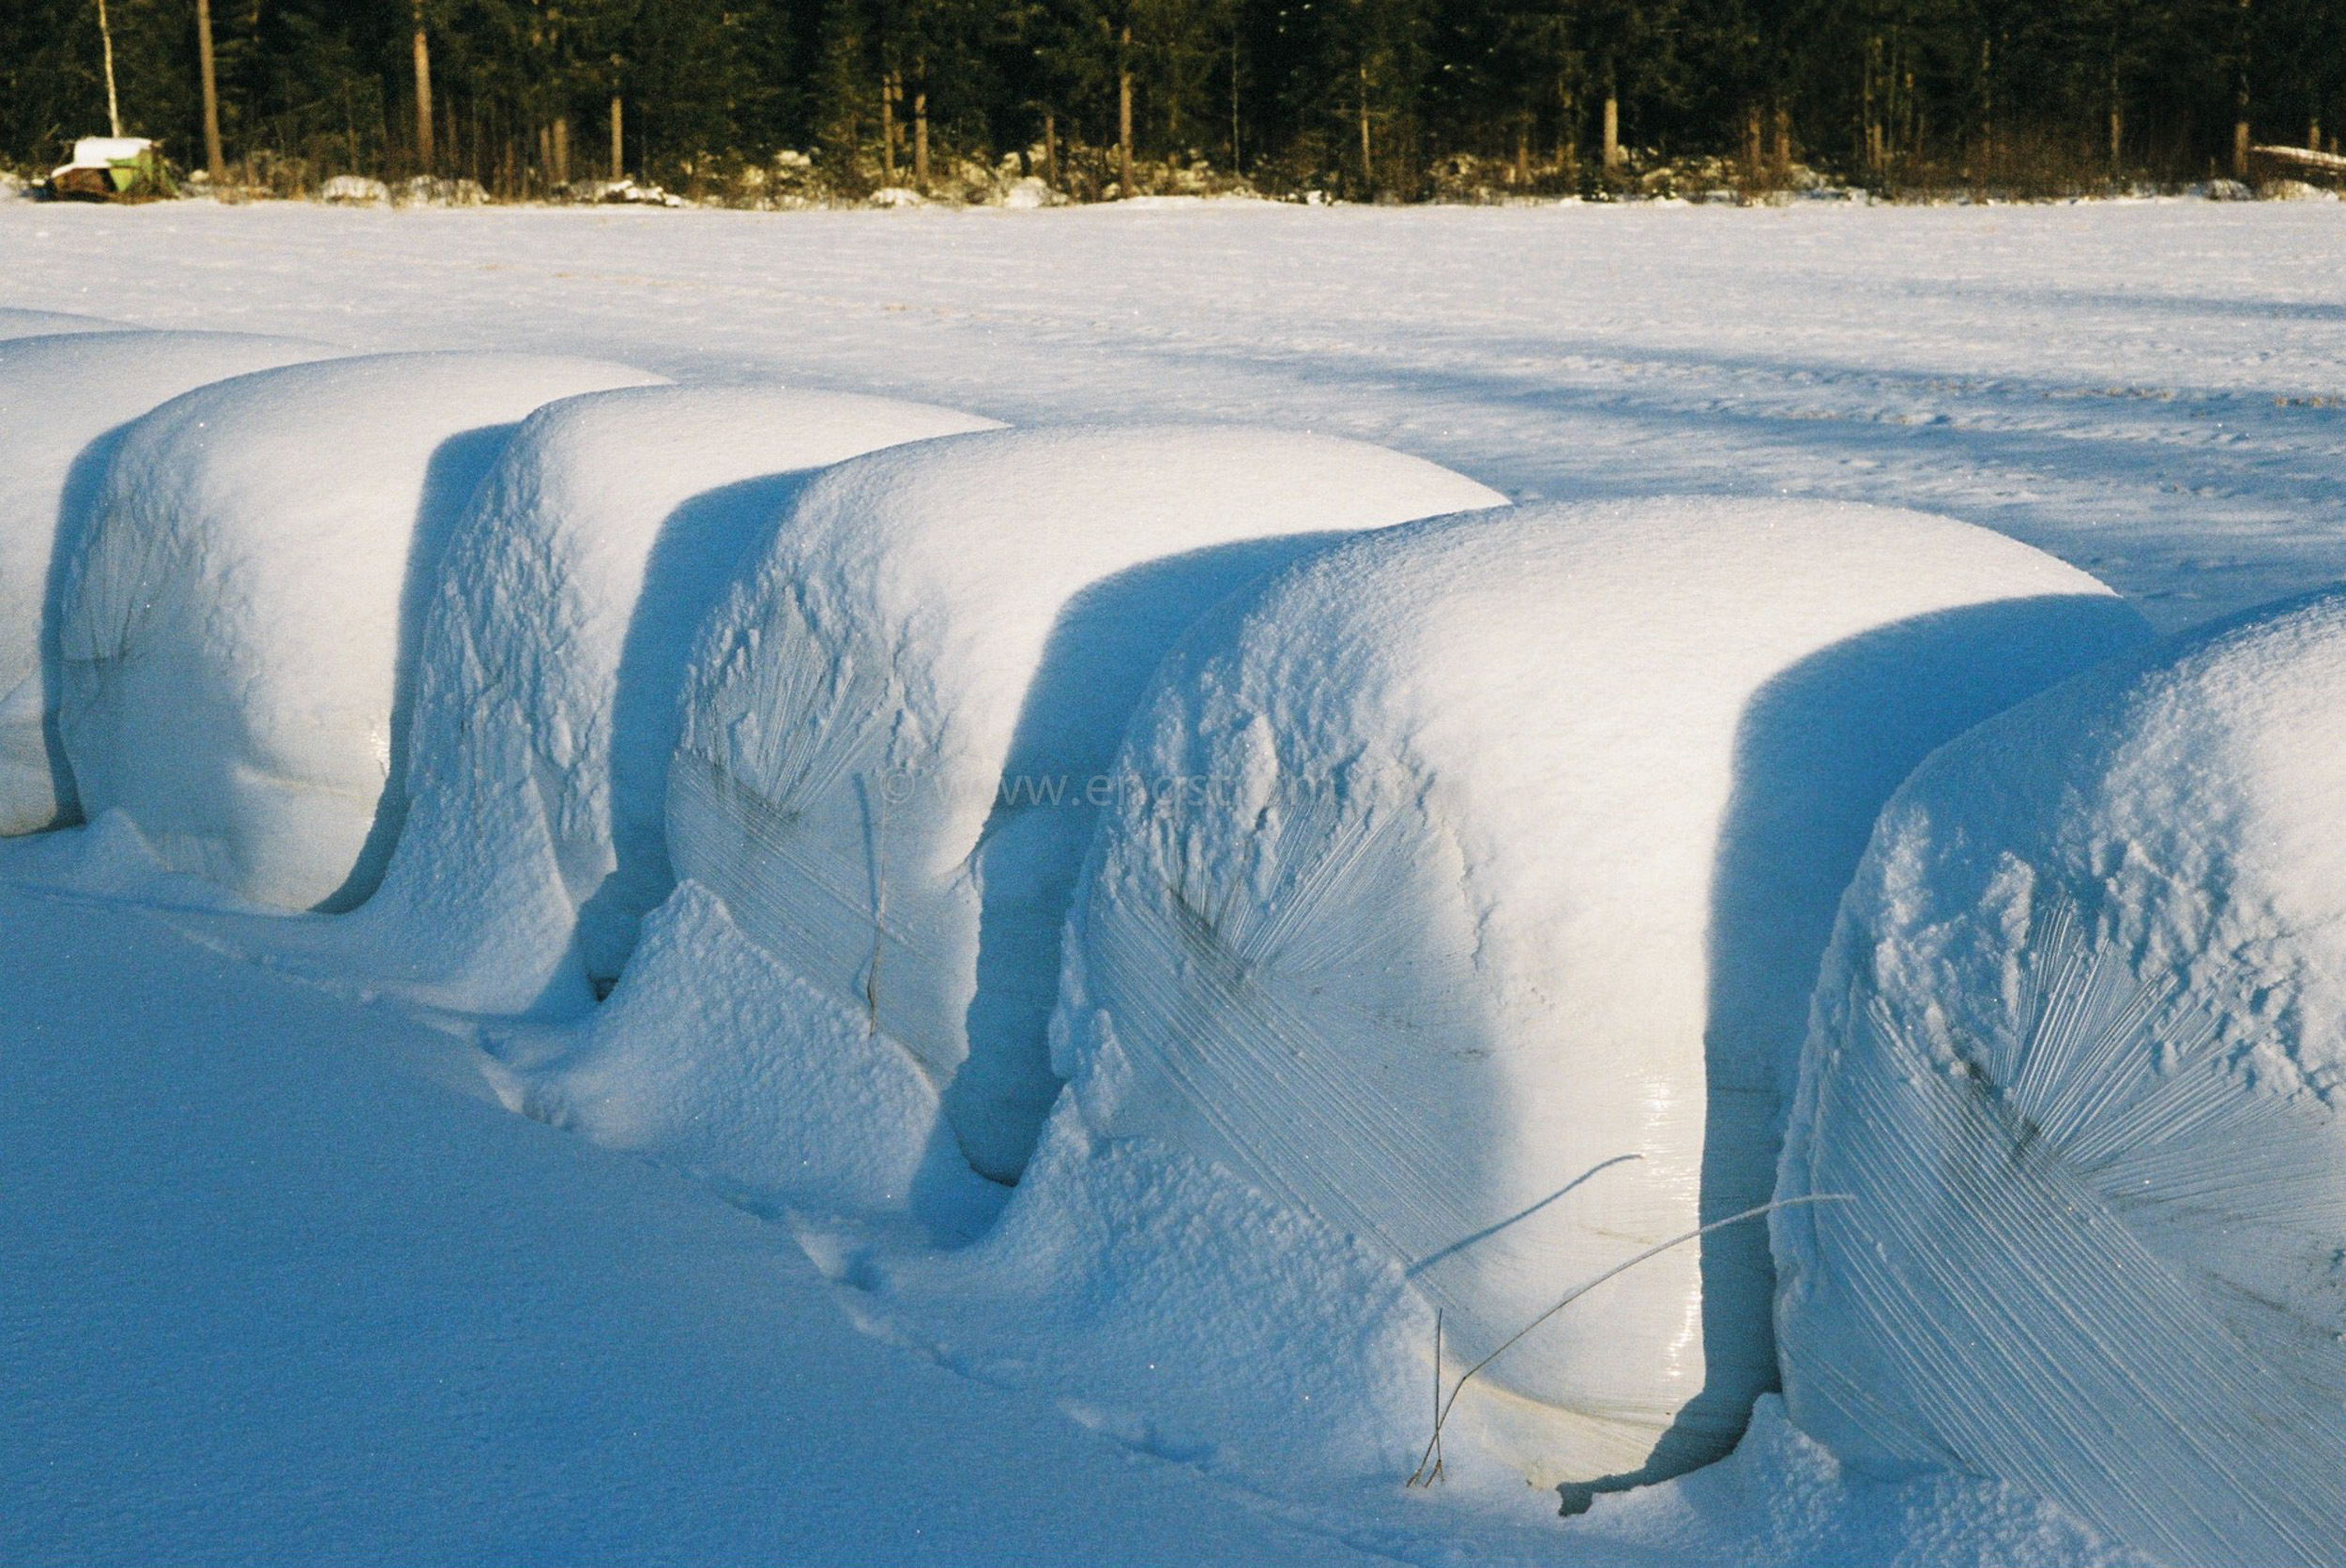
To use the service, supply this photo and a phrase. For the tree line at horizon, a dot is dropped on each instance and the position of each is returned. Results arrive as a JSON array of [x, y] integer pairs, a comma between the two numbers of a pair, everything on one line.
[[1360, 97]]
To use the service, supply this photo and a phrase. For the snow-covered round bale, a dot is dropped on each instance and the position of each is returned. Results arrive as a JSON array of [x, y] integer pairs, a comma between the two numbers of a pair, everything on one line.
[[896, 720], [64, 399], [239, 624], [553, 660], [1468, 857], [2077, 1054]]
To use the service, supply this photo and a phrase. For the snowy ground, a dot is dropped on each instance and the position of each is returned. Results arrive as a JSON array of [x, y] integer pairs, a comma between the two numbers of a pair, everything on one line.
[[2151, 390], [284, 1281]]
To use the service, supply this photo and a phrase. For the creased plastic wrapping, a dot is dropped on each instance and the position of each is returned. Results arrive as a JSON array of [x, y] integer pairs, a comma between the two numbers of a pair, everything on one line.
[[2076, 1054], [239, 627], [552, 660], [1463, 860], [896, 721], [62, 402]]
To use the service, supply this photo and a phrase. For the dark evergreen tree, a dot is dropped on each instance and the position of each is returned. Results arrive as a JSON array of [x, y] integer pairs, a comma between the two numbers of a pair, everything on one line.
[[1360, 97]]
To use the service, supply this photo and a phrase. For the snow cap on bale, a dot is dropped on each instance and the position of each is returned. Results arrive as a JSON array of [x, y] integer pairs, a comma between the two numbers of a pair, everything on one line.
[[896, 721], [2077, 1053], [554, 656], [1468, 857], [238, 624], [62, 401]]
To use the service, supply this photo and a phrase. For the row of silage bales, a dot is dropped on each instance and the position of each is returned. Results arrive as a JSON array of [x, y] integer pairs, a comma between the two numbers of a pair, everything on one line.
[[238, 624], [549, 673], [1416, 875], [1465, 885], [893, 734]]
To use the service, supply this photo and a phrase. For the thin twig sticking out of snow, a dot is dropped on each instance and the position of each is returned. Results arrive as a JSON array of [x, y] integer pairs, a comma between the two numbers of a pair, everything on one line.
[[1429, 1467]]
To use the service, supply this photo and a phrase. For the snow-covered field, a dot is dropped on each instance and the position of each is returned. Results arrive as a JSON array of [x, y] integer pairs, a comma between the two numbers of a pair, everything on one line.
[[285, 1279]]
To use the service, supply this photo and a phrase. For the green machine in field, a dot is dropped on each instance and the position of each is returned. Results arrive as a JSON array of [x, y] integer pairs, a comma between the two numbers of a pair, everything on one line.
[[114, 168]]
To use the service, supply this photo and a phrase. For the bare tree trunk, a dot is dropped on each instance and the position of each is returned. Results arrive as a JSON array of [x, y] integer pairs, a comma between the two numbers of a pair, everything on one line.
[[891, 85], [1987, 108], [1869, 133], [1236, 161], [544, 169], [1611, 144], [1368, 165], [920, 138], [2117, 115], [618, 140], [561, 149], [1751, 143], [2240, 102], [423, 95], [2313, 135], [1124, 113], [1781, 163], [106, 46], [1523, 152], [1050, 149], [215, 166], [1568, 131]]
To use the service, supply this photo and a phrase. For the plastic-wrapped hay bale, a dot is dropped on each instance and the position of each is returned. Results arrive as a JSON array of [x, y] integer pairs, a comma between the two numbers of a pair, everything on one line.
[[237, 627], [896, 718], [62, 401], [1468, 857], [554, 659], [2077, 1050]]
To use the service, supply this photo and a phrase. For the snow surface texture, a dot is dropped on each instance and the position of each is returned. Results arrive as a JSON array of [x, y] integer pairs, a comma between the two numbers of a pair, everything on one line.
[[62, 401], [2145, 388], [895, 721], [360, 1313], [42, 324], [552, 661], [239, 626], [1466, 859], [2076, 1052]]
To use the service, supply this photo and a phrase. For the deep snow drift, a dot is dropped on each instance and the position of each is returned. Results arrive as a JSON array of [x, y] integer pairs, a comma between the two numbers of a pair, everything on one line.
[[2077, 1053], [1468, 859], [553, 658], [239, 627], [63, 399], [893, 729]]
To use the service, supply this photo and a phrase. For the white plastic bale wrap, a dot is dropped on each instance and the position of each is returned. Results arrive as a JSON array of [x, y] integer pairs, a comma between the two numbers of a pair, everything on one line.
[[2077, 1053], [553, 657], [1469, 856], [62, 402], [239, 626], [896, 721]]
